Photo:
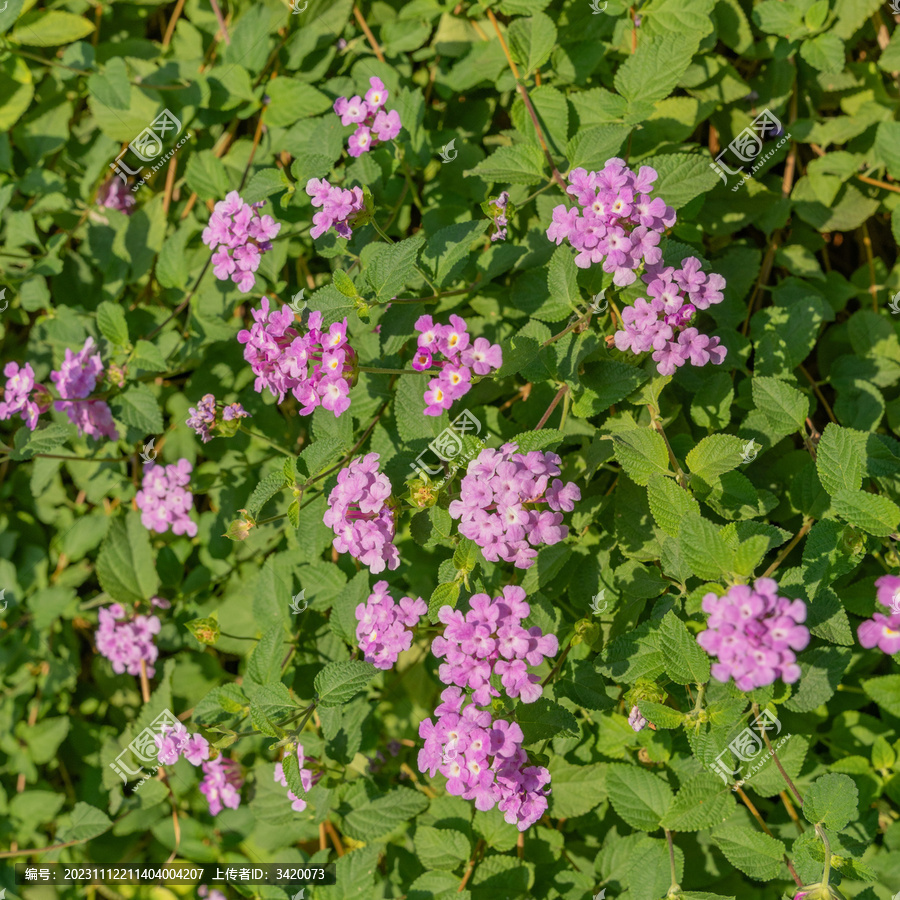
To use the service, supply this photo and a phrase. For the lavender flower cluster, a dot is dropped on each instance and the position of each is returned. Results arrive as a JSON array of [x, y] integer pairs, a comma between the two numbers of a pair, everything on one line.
[[164, 500], [460, 355], [21, 396], [362, 516], [203, 418], [315, 366], [883, 631], [375, 125], [661, 323], [501, 499], [497, 209], [127, 640], [384, 626], [241, 235], [615, 221], [341, 207], [753, 633], [307, 779]]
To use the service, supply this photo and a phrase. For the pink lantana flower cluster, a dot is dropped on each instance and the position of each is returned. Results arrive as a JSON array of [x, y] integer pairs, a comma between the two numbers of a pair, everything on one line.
[[22, 396], [76, 378], [509, 506], [384, 629], [127, 640], [342, 208], [615, 221], [307, 779], [883, 631], [375, 124], [241, 235], [203, 418], [114, 194], [753, 633], [661, 324], [361, 515], [481, 757], [164, 500], [316, 366], [461, 357]]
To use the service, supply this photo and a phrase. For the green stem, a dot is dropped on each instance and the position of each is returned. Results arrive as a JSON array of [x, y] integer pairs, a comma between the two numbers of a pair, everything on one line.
[[674, 887], [701, 691], [820, 831], [412, 187]]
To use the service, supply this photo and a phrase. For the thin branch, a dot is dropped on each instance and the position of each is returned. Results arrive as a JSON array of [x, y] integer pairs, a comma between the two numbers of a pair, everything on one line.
[[783, 555], [368, 33], [774, 756]]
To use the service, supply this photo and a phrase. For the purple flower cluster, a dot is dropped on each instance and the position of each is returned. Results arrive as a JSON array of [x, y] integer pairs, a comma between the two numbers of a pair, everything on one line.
[[498, 207], [22, 396], [126, 641], [636, 720], [483, 760], [361, 515], [74, 380], [384, 626], [203, 417], [307, 779], [883, 631], [163, 499], [174, 743], [221, 785], [500, 504], [490, 640], [341, 207], [241, 235], [461, 357], [317, 366], [615, 220], [660, 323], [374, 123], [114, 194], [753, 633]]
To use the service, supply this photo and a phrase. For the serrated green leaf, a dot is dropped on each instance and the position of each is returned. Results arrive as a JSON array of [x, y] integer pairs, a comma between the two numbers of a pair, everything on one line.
[[873, 513], [639, 797], [831, 801], [339, 682], [686, 661]]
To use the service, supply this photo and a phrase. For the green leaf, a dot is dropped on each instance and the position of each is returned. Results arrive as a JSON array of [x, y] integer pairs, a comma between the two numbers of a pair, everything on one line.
[[206, 175], [339, 682], [531, 41], [265, 660], [543, 720], [50, 28], [639, 797], [264, 491], [715, 455], [873, 513], [519, 164], [604, 382], [291, 766], [686, 661], [591, 147], [700, 803], [138, 408], [391, 266], [112, 324], [125, 567], [703, 548], [824, 52], [441, 848], [448, 247], [266, 183], [651, 73], [205, 630], [641, 453], [754, 853], [148, 357], [446, 594], [84, 822], [821, 670], [682, 176], [379, 817], [831, 801], [580, 683], [562, 277], [784, 407], [546, 438], [841, 458], [41, 440], [576, 789], [885, 691], [670, 504]]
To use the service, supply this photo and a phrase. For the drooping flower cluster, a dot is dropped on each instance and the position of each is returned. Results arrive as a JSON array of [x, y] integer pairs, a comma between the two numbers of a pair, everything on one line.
[[127, 640], [883, 631], [384, 626], [361, 515], [316, 366], [490, 640], [615, 221], [307, 779], [203, 418], [74, 380], [509, 506], [114, 194], [374, 123], [163, 499], [239, 235], [21, 395], [661, 323], [342, 208], [498, 208], [461, 357], [753, 633]]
